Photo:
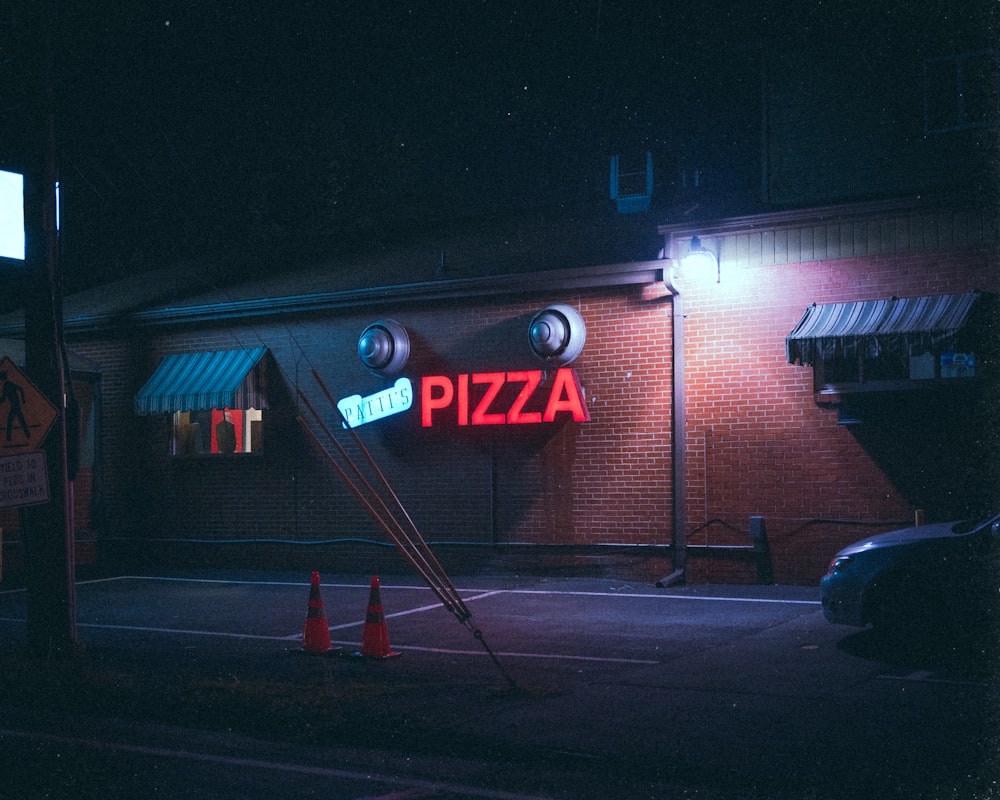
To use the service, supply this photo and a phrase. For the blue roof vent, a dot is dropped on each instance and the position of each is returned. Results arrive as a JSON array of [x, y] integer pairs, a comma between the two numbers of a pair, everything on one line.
[[632, 189]]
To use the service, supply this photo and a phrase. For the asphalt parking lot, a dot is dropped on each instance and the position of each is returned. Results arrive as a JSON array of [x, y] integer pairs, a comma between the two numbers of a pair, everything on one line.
[[718, 691]]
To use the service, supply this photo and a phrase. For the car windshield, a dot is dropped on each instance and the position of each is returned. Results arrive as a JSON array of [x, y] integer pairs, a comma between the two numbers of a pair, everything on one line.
[[971, 524]]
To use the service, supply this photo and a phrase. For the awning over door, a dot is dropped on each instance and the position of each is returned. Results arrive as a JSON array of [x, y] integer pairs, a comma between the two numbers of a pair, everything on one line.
[[202, 381], [899, 324]]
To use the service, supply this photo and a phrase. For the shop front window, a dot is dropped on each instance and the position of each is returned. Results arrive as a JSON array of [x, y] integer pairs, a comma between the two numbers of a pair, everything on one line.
[[226, 431]]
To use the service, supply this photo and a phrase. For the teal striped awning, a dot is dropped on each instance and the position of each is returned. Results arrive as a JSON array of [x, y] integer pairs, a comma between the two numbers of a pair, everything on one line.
[[203, 381], [901, 324]]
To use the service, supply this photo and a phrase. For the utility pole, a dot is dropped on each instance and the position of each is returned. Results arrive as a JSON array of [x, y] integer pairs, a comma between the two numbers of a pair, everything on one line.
[[47, 528]]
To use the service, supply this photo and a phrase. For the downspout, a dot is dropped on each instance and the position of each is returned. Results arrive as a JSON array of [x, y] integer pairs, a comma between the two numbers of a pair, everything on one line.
[[678, 422]]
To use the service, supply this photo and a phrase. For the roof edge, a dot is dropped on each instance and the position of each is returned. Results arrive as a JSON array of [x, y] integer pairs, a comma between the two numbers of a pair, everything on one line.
[[795, 218], [601, 276]]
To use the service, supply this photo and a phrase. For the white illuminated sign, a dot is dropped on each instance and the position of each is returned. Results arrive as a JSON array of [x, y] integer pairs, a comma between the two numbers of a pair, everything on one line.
[[358, 410], [11, 215]]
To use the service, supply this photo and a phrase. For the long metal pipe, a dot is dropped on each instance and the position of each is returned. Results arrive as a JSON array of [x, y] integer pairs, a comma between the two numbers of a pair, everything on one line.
[[678, 418]]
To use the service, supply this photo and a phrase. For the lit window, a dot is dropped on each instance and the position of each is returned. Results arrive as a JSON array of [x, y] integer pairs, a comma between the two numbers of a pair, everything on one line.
[[217, 432]]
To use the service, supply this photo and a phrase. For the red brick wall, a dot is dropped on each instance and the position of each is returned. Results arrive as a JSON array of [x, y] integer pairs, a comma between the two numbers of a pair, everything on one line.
[[606, 481], [758, 444], [602, 481]]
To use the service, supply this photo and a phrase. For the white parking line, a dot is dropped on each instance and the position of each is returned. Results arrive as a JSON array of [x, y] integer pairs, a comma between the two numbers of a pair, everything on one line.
[[417, 610], [343, 643], [475, 594], [926, 676], [484, 592], [658, 596], [182, 631], [349, 644], [366, 777], [515, 654]]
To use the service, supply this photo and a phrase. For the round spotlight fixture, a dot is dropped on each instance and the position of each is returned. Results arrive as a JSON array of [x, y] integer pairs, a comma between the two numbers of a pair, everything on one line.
[[384, 347], [556, 334]]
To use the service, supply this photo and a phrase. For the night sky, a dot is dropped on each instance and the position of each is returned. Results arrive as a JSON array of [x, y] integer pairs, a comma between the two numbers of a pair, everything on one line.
[[189, 127]]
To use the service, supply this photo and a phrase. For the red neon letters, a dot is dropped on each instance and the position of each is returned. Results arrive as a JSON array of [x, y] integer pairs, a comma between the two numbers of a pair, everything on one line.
[[475, 406]]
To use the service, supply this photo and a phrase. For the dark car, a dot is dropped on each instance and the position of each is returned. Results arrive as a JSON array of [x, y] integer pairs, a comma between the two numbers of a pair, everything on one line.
[[931, 577]]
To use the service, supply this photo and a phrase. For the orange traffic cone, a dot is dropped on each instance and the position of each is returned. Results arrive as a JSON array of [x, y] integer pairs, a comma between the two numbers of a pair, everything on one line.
[[375, 637], [316, 638]]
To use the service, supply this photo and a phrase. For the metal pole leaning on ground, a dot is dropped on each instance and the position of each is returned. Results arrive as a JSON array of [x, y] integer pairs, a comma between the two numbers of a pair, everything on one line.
[[392, 530], [406, 538], [417, 541], [458, 606], [412, 545]]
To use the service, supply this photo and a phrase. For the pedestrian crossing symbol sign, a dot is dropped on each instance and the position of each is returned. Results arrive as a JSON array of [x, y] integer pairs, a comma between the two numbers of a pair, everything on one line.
[[26, 415]]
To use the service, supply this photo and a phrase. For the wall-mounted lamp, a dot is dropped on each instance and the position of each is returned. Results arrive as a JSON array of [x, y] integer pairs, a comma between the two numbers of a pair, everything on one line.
[[701, 259], [384, 347], [556, 334]]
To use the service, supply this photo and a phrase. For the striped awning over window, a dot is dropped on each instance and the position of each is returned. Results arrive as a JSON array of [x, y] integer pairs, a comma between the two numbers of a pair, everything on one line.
[[903, 324], [202, 381]]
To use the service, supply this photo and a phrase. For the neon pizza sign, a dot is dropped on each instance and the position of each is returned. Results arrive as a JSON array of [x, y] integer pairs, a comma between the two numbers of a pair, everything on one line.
[[501, 398], [522, 397]]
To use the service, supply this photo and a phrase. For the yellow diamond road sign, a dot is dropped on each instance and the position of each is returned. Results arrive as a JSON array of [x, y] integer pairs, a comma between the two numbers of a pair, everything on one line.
[[26, 415]]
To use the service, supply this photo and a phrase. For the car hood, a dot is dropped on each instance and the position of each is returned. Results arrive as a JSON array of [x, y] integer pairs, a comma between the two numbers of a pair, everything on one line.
[[940, 530]]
